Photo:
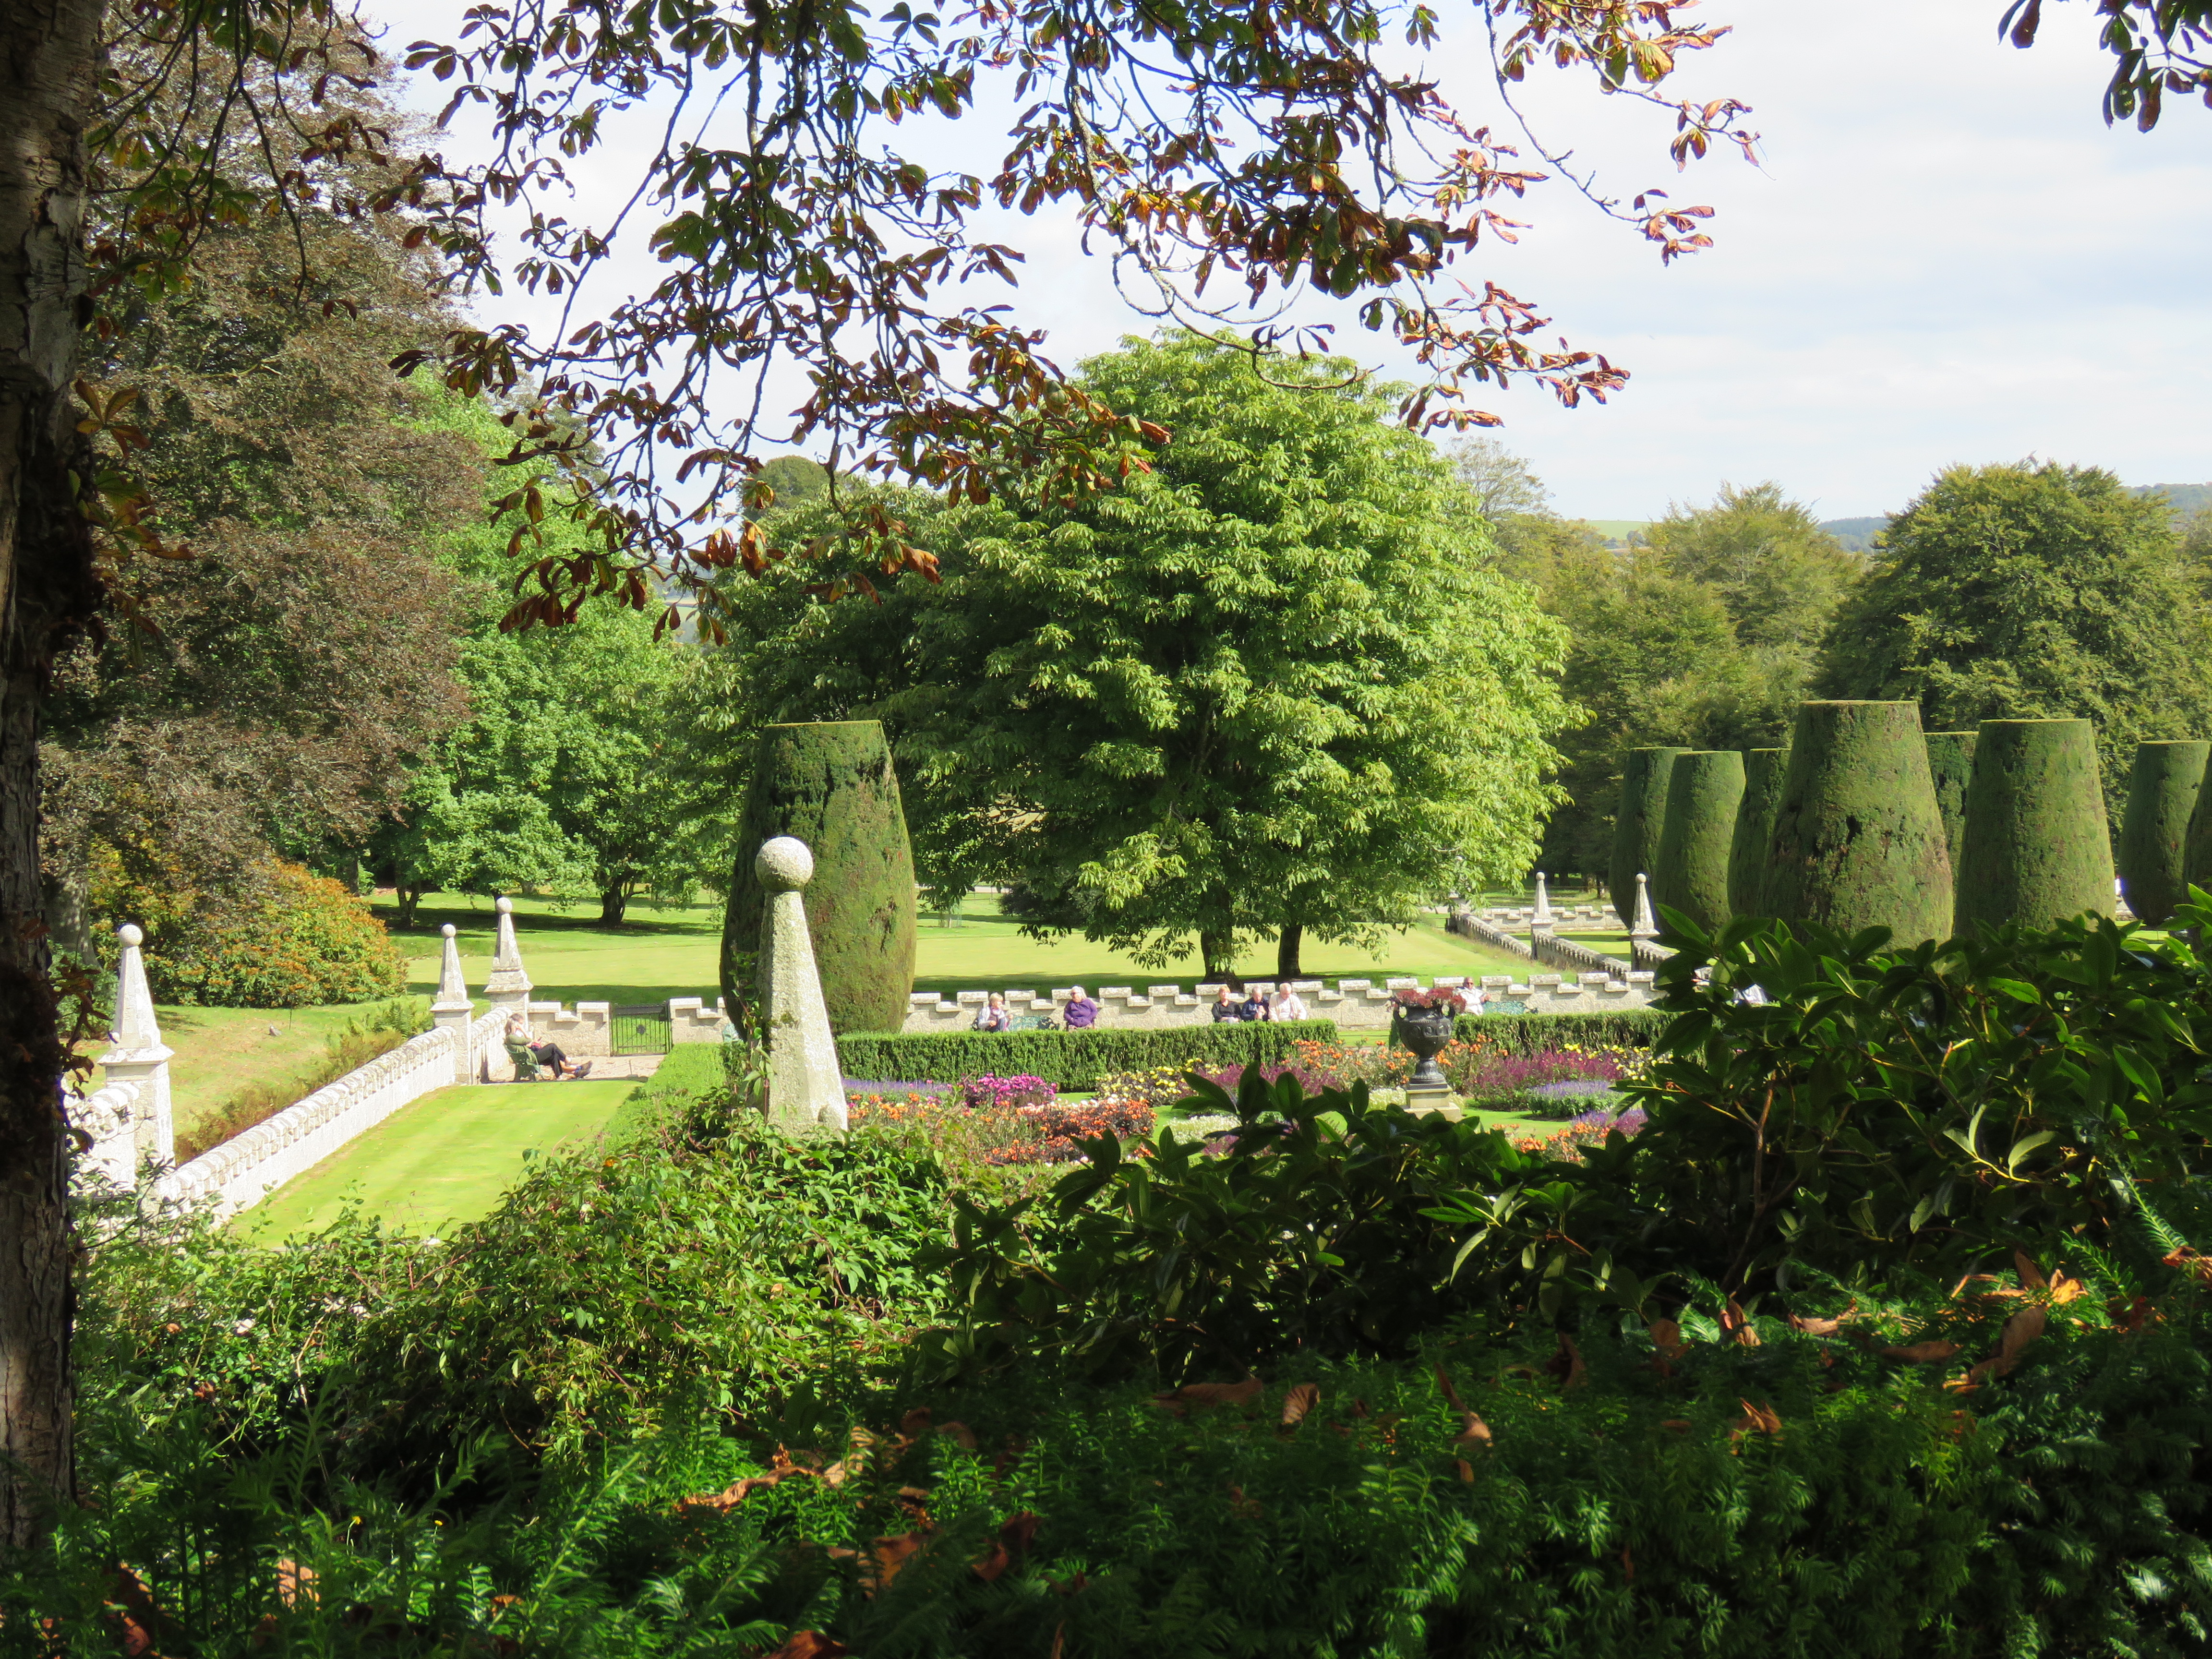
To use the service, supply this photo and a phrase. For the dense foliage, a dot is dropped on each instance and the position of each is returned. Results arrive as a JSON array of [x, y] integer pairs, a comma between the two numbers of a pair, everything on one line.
[[1841, 1354], [1265, 688], [291, 939], [2033, 593], [1074, 1060]]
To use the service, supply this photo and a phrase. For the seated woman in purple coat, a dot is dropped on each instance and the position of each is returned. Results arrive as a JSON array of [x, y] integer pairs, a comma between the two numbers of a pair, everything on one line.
[[1081, 1012]]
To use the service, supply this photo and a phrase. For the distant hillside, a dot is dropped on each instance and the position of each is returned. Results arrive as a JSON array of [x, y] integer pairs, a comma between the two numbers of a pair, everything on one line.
[[2187, 500], [1856, 534]]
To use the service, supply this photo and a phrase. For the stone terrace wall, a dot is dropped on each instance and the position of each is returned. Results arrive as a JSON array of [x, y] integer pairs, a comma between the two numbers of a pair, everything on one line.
[[246, 1168], [1353, 1004]]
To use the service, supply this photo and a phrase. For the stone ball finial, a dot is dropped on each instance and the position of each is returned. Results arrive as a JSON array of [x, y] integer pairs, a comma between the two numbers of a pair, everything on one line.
[[784, 864], [129, 933], [447, 931], [504, 905]]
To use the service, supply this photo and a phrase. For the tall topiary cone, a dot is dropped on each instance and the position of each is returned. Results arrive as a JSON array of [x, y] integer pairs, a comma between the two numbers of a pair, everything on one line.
[[1858, 841], [1950, 763], [1763, 772], [1704, 791], [2035, 849], [831, 785], [1638, 822], [2163, 791]]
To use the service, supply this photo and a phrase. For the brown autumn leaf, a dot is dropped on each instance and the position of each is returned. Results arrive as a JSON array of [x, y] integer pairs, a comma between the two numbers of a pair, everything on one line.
[[1921, 1354], [915, 1423], [1736, 1324], [962, 1435], [2030, 1276], [2191, 1262], [890, 1553], [1200, 1396], [1465, 1469], [1825, 1326], [809, 1644], [1473, 1431], [2128, 1315], [2064, 1288], [1756, 1417], [1676, 1425], [1298, 1402], [1567, 1364], [1667, 1337], [1450, 1394]]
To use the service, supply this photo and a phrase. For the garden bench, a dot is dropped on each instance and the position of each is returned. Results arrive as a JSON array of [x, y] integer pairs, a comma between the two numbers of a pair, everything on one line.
[[525, 1063]]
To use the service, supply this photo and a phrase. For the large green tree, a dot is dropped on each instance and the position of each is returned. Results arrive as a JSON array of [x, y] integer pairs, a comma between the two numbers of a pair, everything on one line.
[[571, 773], [269, 694], [1270, 687], [2033, 592]]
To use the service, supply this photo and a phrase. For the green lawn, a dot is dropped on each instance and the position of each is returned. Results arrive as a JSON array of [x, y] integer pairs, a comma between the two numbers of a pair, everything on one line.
[[220, 1049], [674, 952], [662, 953], [445, 1159]]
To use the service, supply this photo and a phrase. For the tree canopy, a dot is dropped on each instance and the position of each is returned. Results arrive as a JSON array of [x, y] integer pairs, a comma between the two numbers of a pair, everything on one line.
[[1701, 634], [1270, 687], [2031, 591]]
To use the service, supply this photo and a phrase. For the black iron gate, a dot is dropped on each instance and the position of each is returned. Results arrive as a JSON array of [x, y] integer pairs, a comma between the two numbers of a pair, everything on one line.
[[638, 1029]]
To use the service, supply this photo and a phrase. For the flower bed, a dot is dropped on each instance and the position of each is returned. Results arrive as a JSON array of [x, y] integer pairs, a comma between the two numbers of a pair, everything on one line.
[[987, 1125]]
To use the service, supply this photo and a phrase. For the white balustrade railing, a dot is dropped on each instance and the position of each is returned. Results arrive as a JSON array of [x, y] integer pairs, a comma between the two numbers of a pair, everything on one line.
[[249, 1166]]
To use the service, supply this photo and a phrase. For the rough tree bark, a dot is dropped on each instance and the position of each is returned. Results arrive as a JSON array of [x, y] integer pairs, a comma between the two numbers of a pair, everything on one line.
[[614, 905], [1288, 940], [47, 51]]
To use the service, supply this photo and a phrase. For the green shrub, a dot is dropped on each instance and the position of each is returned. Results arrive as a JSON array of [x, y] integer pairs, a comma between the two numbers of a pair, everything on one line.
[[2153, 846], [302, 939], [1705, 792], [1073, 1059], [1752, 839], [1532, 1033], [1638, 823], [2036, 848], [1858, 838], [831, 784], [1950, 765]]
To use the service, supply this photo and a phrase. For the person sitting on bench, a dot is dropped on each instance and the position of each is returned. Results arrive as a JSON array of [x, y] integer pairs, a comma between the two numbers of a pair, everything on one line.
[[547, 1054]]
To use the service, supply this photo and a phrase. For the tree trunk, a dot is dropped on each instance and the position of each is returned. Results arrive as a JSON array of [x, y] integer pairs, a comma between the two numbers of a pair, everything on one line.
[[409, 898], [1217, 954], [1287, 941], [46, 589], [614, 905]]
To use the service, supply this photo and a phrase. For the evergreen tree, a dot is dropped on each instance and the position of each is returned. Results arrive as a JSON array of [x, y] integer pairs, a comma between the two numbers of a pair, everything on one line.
[[2033, 592]]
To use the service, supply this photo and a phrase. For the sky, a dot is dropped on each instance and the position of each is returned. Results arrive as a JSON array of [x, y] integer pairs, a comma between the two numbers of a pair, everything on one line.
[[1942, 255]]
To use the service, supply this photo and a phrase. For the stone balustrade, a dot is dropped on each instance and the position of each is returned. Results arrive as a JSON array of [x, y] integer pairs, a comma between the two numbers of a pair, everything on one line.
[[1353, 1004], [247, 1167]]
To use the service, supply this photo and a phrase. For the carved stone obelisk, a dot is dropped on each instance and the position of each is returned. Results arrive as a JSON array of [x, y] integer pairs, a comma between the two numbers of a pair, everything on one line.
[[805, 1084], [140, 1057]]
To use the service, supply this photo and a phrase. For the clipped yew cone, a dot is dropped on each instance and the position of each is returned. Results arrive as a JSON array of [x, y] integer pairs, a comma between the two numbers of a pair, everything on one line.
[[2164, 786], [2034, 850], [1858, 841], [1704, 791], [831, 785], [1950, 763], [1763, 772], [1638, 822]]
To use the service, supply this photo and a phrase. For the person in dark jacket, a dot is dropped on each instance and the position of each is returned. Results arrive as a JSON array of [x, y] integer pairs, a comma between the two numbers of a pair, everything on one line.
[[1226, 1007], [1254, 1006]]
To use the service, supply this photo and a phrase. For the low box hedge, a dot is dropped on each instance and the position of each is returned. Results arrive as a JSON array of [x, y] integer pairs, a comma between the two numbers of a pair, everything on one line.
[[1071, 1060], [1529, 1034]]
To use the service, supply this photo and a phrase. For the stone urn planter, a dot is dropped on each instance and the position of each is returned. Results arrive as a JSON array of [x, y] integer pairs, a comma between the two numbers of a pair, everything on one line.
[[1426, 1032]]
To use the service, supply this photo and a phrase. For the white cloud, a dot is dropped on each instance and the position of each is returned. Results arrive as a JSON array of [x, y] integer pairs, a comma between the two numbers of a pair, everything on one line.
[[1945, 256]]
